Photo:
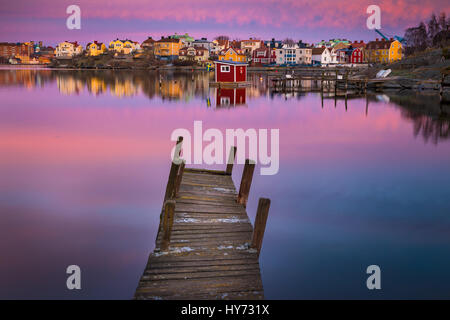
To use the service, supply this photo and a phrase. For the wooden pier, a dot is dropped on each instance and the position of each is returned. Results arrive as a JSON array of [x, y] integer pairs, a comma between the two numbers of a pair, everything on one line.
[[206, 247]]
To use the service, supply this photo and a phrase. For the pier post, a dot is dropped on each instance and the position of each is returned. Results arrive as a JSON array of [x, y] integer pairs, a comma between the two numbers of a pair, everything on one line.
[[231, 158], [179, 177], [169, 209], [246, 182], [171, 184], [260, 223]]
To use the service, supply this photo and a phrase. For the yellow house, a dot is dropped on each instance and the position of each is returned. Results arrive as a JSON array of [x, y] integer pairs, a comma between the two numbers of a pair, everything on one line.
[[384, 51], [95, 48], [124, 46], [167, 48], [232, 54]]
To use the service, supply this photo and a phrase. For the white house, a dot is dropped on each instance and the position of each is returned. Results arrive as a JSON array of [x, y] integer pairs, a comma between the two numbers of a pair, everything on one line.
[[322, 56], [68, 49], [293, 54]]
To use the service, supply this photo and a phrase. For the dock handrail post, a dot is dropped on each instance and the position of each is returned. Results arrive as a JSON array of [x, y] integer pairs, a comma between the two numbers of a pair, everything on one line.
[[260, 224], [231, 158], [246, 182], [179, 177], [169, 209], [174, 171]]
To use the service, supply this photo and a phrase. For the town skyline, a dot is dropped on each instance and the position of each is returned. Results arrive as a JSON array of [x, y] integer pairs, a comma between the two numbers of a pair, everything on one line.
[[136, 20]]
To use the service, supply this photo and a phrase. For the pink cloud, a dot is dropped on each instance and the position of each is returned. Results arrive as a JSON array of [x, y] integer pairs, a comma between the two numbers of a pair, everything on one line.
[[281, 13]]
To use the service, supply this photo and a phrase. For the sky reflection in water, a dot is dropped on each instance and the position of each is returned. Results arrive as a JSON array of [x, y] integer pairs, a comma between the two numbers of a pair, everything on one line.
[[84, 158]]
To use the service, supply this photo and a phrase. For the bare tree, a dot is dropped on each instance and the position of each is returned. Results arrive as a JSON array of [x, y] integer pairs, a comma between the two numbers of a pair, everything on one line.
[[222, 38], [288, 41]]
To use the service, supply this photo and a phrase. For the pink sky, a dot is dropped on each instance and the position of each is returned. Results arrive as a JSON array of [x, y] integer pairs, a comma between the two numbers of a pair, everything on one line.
[[310, 20]]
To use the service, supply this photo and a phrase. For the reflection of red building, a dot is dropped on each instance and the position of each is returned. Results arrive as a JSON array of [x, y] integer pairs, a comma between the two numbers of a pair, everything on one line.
[[230, 97], [230, 71]]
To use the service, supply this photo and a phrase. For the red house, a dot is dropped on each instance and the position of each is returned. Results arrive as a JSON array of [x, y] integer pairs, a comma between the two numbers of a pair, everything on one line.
[[357, 56], [263, 56], [230, 71]]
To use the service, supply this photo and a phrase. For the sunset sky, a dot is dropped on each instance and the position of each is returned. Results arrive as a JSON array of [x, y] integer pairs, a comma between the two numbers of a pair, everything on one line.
[[309, 20]]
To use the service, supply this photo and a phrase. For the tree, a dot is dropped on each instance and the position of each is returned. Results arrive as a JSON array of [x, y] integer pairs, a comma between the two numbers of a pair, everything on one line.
[[433, 27], [222, 38], [416, 38], [288, 41], [443, 21]]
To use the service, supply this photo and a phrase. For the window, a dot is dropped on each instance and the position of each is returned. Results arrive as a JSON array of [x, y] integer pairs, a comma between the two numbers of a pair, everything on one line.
[[224, 68]]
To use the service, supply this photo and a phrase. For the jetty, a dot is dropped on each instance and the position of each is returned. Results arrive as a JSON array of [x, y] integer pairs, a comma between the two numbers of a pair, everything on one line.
[[206, 247]]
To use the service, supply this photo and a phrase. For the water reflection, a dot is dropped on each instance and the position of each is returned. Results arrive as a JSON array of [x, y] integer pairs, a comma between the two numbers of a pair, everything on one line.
[[84, 171], [430, 120]]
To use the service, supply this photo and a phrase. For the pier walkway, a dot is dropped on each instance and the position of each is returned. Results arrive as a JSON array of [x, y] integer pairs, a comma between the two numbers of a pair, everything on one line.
[[206, 247]]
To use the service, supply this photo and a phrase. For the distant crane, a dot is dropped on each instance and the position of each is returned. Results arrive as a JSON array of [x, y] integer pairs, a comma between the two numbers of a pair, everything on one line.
[[400, 39]]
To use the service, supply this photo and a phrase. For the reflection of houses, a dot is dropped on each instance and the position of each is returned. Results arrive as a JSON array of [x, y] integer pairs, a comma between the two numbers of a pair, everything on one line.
[[124, 46], [96, 86], [167, 48], [124, 88], [198, 54], [95, 48], [68, 49], [230, 97], [383, 51], [69, 85]]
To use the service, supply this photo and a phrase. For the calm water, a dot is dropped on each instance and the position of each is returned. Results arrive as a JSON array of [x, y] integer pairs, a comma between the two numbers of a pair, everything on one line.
[[84, 158]]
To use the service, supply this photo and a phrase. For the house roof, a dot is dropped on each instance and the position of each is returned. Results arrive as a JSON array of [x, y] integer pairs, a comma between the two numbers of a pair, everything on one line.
[[231, 62], [168, 40], [379, 44], [317, 51]]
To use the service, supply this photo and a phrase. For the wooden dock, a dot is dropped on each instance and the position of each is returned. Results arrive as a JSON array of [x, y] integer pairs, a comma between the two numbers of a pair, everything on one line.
[[206, 247]]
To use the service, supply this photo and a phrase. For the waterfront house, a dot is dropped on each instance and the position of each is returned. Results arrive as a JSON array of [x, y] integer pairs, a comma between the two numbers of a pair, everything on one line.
[[357, 56], [198, 54], [232, 54], [263, 56], [222, 44], [248, 46], [321, 56], [9, 50], [383, 51], [186, 40], [68, 49], [292, 54], [204, 43], [273, 44], [124, 46], [148, 44], [167, 48], [230, 71], [95, 48]]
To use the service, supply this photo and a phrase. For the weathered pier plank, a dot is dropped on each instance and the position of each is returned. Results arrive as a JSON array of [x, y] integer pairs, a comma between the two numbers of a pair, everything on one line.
[[206, 247]]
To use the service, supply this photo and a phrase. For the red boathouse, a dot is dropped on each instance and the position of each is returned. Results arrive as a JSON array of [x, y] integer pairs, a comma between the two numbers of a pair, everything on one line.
[[230, 71]]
